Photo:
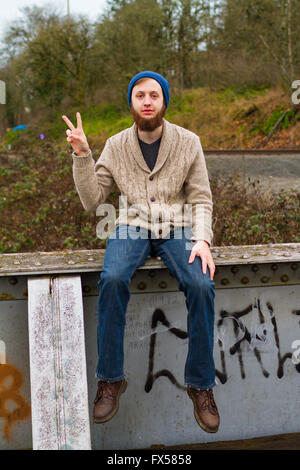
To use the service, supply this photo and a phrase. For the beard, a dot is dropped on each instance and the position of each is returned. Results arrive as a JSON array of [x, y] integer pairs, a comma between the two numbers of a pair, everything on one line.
[[151, 124]]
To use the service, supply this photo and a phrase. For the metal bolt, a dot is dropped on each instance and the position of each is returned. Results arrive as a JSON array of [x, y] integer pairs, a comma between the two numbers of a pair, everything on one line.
[[284, 278], [294, 266], [274, 267], [234, 269], [265, 279], [13, 281], [255, 268], [151, 273], [224, 281], [142, 285], [244, 280], [162, 284]]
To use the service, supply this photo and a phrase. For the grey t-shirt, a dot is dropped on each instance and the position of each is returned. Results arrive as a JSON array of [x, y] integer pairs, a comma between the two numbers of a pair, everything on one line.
[[150, 152]]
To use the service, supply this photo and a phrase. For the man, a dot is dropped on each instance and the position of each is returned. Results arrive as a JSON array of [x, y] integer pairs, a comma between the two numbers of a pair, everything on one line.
[[159, 167]]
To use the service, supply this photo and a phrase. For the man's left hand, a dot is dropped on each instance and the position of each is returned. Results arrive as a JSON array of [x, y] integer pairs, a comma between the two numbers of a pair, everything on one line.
[[202, 249]]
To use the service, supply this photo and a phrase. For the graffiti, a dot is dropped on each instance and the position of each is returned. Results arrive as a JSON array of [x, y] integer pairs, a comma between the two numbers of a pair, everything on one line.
[[10, 383], [264, 335], [296, 354], [159, 316], [260, 337]]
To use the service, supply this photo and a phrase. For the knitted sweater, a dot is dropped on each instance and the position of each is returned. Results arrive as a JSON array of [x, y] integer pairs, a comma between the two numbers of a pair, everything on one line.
[[176, 193]]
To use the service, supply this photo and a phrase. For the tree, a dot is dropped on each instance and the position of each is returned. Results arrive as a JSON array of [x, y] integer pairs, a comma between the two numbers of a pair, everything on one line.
[[53, 57], [129, 39]]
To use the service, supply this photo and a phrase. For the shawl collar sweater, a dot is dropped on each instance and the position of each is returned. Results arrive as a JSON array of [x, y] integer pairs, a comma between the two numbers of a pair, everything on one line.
[[174, 194]]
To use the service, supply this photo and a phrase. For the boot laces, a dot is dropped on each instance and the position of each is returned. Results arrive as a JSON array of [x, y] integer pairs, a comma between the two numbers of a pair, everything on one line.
[[208, 399], [105, 390]]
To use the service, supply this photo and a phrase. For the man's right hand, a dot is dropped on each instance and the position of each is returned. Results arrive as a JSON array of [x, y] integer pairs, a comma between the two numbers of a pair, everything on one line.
[[76, 136]]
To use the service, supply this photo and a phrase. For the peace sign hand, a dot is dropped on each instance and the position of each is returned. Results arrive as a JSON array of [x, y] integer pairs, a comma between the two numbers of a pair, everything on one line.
[[76, 136]]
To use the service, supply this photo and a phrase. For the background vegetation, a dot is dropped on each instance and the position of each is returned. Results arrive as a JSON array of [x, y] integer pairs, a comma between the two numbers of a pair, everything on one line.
[[230, 65]]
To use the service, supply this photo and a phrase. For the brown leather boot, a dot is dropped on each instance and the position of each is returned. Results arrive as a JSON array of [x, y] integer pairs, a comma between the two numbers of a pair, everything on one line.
[[205, 409], [106, 403]]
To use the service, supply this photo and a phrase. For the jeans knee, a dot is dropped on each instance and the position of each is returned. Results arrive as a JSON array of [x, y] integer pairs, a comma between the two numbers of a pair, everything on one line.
[[113, 277], [200, 285]]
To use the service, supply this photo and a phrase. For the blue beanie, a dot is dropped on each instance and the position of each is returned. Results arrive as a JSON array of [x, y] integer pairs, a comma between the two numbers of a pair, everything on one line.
[[156, 76]]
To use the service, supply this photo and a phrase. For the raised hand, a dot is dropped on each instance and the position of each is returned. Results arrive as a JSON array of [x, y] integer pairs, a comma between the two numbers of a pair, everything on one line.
[[76, 136]]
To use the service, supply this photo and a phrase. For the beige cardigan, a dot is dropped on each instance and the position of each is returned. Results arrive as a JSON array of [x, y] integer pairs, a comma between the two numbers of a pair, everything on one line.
[[174, 194]]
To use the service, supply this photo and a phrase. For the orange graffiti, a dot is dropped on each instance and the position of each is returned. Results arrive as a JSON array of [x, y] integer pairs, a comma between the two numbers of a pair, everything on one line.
[[10, 383]]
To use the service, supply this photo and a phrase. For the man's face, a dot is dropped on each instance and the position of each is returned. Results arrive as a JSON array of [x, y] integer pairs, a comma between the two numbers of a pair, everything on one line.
[[147, 104]]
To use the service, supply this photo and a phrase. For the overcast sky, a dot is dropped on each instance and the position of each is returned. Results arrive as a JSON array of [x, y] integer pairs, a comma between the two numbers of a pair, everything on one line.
[[9, 9]]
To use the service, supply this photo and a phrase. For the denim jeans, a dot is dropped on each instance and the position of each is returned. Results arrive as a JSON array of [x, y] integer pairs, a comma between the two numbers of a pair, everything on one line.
[[124, 254]]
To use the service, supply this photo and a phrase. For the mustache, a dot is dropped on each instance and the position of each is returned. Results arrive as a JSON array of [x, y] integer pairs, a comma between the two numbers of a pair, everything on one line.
[[151, 124]]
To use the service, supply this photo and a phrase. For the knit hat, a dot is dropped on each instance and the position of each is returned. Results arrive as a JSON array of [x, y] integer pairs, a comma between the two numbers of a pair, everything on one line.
[[156, 76]]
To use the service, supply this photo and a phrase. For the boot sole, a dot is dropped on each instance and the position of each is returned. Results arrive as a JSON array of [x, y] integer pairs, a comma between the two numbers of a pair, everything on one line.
[[114, 411], [197, 417]]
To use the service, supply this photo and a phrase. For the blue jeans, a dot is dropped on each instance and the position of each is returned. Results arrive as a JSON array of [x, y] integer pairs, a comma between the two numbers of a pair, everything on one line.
[[124, 254]]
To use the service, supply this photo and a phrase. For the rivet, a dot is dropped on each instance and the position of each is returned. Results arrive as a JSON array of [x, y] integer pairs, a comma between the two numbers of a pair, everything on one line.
[[151, 273], [294, 266], [13, 281], [234, 269], [224, 281], [142, 285], [255, 268], [274, 267], [265, 279], [284, 278], [162, 284], [244, 280], [86, 289]]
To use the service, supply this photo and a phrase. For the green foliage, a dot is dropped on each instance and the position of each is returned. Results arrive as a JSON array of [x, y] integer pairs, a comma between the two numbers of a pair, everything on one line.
[[290, 117], [238, 92]]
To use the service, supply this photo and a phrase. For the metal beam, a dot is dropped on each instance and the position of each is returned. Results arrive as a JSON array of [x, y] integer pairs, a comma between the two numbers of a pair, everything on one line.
[[59, 397]]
